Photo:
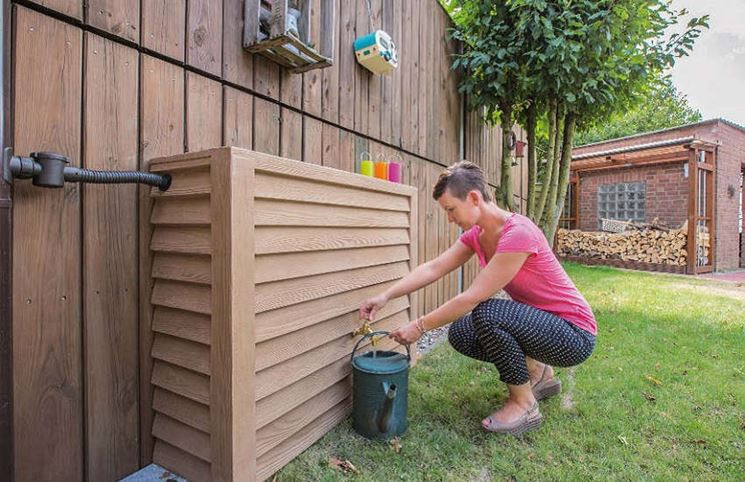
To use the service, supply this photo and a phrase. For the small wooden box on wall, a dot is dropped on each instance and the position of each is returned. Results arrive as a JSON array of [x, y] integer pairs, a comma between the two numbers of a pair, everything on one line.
[[283, 34], [258, 266]]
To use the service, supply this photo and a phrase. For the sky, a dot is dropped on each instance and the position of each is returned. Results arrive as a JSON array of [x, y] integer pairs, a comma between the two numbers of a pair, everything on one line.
[[713, 76]]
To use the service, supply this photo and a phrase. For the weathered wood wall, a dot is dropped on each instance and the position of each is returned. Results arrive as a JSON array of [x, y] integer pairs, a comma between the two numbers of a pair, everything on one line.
[[115, 83]]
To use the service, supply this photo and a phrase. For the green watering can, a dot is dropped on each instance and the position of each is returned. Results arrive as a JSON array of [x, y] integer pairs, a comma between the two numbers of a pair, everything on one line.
[[381, 389]]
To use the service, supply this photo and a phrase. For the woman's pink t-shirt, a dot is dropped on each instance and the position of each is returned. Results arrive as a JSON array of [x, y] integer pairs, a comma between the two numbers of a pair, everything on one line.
[[541, 281]]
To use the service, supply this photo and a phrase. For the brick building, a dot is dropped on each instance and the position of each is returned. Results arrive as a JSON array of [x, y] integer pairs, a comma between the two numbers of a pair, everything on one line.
[[648, 176]]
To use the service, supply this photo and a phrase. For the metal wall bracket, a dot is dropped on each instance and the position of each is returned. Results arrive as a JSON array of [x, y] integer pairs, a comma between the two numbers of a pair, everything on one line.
[[7, 155]]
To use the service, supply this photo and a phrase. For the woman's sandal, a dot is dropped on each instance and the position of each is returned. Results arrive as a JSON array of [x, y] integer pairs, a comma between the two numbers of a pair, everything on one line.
[[545, 388], [528, 421]]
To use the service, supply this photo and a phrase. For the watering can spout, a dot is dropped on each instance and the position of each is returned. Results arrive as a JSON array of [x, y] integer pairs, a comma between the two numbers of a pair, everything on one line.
[[385, 416]]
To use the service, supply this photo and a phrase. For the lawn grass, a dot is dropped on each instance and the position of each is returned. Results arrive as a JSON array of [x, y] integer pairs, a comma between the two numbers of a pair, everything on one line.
[[661, 398]]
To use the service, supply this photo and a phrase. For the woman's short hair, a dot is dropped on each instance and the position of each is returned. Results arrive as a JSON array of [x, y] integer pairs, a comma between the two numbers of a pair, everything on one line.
[[460, 179]]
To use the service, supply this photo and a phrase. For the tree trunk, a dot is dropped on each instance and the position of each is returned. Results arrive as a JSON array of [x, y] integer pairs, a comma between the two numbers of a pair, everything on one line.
[[548, 170], [505, 180], [566, 160], [554, 184], [532, 162]]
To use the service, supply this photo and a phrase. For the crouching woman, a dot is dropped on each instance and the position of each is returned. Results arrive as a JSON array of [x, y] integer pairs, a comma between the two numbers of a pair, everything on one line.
[[546, 323]]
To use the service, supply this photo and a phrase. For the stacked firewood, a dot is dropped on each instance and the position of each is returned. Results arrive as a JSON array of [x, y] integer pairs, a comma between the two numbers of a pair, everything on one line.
[[648, 243], [703, 242]]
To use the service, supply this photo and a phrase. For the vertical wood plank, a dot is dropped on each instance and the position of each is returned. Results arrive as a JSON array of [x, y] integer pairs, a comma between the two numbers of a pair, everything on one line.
[[374, 93], [448, 147], [232, 354], [266, 77], [204, 35], [434, 49], [238, 118], [346, 151], [162, 134], [312, 78], [361, 74], [120, 17], [291, 88], [312, 140], [47, 351], [203, 113], [361, 146], [266, 126], [110, 278], [331, 146], [398, 77], [405, 67], [414, 312], [449, 128], [292, 135], [430, 250], [435, 100], [164, 27], [419, 180], [72, 8], [330, 76], [238, 63], [423, 78], [347, 63], [442, 239], [413, 81], [453, 77], [387, 82]]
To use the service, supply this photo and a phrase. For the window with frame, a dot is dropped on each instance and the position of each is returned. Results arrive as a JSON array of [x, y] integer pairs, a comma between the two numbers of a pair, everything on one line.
[[622, 201]]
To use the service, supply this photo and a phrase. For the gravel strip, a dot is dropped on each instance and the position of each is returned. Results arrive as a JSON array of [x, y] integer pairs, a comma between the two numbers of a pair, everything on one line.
[[434, 337], [431, 338]]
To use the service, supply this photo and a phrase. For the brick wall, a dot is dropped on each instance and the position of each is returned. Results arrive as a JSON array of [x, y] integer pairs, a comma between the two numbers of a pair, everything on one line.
[[667, 190], [730, 159], [666, 193], [742, 238]]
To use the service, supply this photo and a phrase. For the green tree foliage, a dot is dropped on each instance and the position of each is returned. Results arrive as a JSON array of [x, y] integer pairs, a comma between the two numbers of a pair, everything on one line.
[[663, 107], [570, 63]]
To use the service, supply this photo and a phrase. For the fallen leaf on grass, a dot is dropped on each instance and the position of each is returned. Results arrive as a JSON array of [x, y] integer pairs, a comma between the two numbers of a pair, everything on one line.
[[344, 465], [698, 441], [623, 439], [653, 379], [396, 444], [649, 397]]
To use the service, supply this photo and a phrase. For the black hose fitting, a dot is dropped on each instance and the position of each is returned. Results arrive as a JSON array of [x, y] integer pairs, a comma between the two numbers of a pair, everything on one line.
[[48, 169]]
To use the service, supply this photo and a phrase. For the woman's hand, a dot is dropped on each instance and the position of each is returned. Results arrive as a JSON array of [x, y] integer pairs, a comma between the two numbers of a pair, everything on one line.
[[371, 306], [407, 334]]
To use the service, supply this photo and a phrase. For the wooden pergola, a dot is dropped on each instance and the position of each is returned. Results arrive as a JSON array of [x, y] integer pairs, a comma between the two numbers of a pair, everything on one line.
[[701, 205]]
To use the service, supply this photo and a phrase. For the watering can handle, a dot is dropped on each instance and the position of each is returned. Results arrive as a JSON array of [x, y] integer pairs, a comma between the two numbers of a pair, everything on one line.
[[408, 350]]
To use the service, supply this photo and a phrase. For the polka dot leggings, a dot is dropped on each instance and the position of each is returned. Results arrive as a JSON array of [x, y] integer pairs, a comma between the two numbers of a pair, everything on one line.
[[503, 332]]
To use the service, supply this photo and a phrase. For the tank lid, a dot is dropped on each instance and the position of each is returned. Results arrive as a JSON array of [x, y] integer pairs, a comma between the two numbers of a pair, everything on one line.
[[381, 362]]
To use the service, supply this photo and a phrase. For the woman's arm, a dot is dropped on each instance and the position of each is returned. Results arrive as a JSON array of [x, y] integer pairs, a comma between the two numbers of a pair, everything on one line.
[[424, 274], [500, 271]]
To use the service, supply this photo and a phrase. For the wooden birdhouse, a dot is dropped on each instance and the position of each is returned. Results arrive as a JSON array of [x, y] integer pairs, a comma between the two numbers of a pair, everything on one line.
[[281, 31], [520, 148]]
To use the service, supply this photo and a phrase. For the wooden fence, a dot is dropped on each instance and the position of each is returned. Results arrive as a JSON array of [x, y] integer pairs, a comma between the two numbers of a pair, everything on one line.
[[114, 83]]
